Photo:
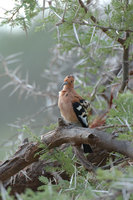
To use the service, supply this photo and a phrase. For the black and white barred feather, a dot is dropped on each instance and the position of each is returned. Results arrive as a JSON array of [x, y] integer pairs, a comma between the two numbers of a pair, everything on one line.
[[80, 111]]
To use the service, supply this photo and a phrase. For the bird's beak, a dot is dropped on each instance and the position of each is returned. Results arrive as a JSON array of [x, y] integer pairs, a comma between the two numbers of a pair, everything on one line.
[[65, 83]]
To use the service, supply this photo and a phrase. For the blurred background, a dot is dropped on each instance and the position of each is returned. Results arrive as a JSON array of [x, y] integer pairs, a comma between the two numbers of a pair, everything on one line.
[[32, 54], [28, 95], [41, 64], [34, 58]]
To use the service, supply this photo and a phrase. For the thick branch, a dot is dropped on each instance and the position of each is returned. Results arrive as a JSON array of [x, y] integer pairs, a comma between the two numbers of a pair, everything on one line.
[[64, 134], [22, 158], [79, 135]]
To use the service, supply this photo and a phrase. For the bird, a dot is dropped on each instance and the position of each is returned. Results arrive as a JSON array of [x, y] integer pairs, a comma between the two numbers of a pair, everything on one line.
[[73, 107]]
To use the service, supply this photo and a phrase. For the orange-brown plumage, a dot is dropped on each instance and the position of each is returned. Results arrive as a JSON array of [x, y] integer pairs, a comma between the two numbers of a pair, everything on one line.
[[73, 107], [67, 97]]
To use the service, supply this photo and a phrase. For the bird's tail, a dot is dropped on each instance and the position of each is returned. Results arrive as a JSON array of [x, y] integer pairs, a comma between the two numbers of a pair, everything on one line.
[[87, 148]]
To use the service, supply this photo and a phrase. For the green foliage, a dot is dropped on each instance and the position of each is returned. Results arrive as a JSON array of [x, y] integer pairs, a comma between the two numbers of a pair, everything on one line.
[[50, 127], [122, 14], [84, 186], [48, 194], [28, 131], [65, 159], [75, 28], [121, 114], [109, 175], [15, 17], [78, 187], [115, 179]]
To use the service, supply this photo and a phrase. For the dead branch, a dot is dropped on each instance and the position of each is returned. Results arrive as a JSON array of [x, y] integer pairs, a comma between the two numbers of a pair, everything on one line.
[[63, 134], [20, 84], [94, 137], [22, 158], [28, 178], [79, 154]]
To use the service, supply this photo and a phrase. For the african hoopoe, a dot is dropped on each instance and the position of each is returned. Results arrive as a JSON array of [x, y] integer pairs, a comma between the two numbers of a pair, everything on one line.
[[73, 107]]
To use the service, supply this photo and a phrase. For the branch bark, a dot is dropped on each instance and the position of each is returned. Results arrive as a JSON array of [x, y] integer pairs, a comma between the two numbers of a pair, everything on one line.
[[22, 158], [79, 135], [28, 178]]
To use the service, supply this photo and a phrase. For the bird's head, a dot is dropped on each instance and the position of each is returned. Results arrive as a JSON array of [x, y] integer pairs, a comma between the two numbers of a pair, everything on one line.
[[68, 82]]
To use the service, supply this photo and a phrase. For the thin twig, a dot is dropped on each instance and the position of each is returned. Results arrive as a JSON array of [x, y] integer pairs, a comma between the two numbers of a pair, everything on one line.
[[116, 162], [95, 89], [84, 22], [62, 19], [16, 11], [114, 126]]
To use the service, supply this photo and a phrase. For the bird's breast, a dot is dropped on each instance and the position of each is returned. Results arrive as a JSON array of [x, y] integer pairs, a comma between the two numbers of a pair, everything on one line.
[[66, 109]]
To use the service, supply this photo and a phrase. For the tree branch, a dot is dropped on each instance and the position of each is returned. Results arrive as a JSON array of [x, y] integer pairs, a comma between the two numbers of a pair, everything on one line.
[[125, 65], [21, 84], [79, 154], [28, 178], [27, 153], [79, 135], [22, 158], [84, 22]]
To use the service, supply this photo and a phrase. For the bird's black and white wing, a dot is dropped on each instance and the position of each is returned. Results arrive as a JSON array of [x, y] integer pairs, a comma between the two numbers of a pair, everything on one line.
[[80, 113]]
